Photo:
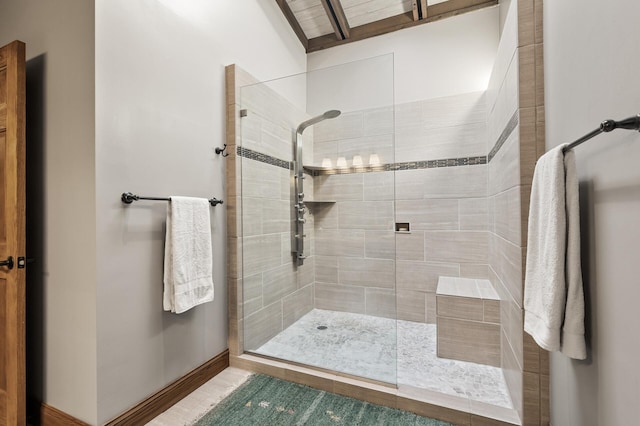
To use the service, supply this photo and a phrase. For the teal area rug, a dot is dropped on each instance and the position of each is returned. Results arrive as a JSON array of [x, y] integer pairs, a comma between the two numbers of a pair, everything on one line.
[[265, 401]]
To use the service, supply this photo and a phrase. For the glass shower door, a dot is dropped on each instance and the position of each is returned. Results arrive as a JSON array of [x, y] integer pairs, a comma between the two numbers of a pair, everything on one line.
[[319, 263]]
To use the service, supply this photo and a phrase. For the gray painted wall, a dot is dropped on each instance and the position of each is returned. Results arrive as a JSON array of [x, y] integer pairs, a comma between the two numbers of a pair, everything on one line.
[[159, 115], [61, 198], [591, 60], [145, 118]]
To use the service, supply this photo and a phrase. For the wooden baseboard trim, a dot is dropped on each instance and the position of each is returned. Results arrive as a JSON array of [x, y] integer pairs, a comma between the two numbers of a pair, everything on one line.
[[51, 416], [159, 402]]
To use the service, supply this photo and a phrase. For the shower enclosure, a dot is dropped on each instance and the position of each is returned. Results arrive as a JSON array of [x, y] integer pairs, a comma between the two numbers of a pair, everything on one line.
[[318, 239], [353, 210]]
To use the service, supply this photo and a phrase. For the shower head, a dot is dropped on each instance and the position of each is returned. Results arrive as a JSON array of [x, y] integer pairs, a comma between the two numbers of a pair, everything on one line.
[[333, 113]]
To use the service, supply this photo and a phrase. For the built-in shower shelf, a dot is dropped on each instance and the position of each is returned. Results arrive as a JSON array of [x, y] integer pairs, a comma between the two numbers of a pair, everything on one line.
[[312, 203], [317, 168]]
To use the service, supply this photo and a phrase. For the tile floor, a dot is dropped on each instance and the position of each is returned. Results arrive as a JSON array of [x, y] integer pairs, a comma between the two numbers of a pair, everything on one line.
[[195, 405], [365, 346], [360, 345]]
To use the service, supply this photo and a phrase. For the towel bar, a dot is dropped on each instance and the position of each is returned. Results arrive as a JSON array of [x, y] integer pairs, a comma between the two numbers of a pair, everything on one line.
[[128, 198], [631, 123]]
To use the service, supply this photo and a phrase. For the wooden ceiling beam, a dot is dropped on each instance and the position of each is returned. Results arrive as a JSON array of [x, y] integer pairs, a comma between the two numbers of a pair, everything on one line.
[[295, 25], [424, 9], [338, 19], [419, 9], [398, 22]]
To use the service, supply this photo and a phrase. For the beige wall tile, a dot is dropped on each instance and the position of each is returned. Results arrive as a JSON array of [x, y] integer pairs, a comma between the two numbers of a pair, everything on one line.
[[459, 307], [540, 131], [340, 298], [469, 341], [379, 121], [348, 187], [544, 362], [365, 215], [262, 326], [455, 182], [380, 302], [366, 272], [345, 126], [456, 246], [409, 246], [374, 396], [531, 354], [326, 269], [380, 244], [434, 411], [474, 214], [513, 375], [504, 168], [382, 145], [409, 184], [508, 218], [539, 58], [506, 260], [469, 270], [296, 305], [431, 307], [251, 293], [526, 22], [411, 305], [484, 414], [314, 380], [544, 400], [325, 215], [538, 12], [491, 311], [261, 252], [454, 110], [423, 276], [378, 186], [531, 392], [432, 214], [420, 143], [527, 78], [345, 242], [276, 216], [528, 147], [408, 114], [511, 318]]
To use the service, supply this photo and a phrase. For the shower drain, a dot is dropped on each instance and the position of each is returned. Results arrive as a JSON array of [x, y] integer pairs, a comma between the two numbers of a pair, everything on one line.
[[322, 327]]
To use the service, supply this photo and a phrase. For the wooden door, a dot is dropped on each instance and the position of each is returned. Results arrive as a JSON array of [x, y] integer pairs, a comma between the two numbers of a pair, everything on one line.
[[12, 235]]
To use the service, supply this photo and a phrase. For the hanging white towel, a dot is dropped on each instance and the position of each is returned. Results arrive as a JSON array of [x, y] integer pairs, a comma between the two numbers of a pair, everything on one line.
[[188, 277], [553, 293]]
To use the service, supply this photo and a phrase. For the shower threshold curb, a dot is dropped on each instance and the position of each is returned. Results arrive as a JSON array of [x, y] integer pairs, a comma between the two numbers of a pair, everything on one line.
[[449, 408]]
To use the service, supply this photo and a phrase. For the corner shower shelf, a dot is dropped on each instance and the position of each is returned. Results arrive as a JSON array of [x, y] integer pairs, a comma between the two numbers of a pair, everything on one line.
[[311, 203]]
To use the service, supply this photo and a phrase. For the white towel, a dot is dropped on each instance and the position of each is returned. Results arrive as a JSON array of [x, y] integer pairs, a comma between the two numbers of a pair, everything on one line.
[[553, 294], [188, 277]]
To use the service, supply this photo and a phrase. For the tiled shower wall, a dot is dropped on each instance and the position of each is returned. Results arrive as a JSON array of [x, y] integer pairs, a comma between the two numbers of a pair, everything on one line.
[[362, 264], [272, 292], [515, 123]]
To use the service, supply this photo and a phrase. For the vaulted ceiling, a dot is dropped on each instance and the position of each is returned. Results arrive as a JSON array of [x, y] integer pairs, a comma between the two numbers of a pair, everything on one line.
[[320, 24]]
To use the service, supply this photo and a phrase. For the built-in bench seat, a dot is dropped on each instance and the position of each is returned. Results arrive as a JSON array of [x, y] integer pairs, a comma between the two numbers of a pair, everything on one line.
[[468, 318]]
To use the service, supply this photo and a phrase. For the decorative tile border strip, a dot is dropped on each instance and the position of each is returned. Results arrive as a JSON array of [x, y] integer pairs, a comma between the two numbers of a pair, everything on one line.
[[410, 165], [263, 158], [511, 125]]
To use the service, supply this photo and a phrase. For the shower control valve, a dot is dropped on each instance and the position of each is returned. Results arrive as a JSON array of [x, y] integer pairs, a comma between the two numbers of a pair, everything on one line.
[[301, 195], [302, 220]]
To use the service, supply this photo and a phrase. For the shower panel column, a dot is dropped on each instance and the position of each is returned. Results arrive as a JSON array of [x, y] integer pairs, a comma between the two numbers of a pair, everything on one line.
[[297, 186]]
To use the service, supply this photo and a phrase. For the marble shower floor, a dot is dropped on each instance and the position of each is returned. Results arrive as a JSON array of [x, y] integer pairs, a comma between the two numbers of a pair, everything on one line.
[[365, 346]]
